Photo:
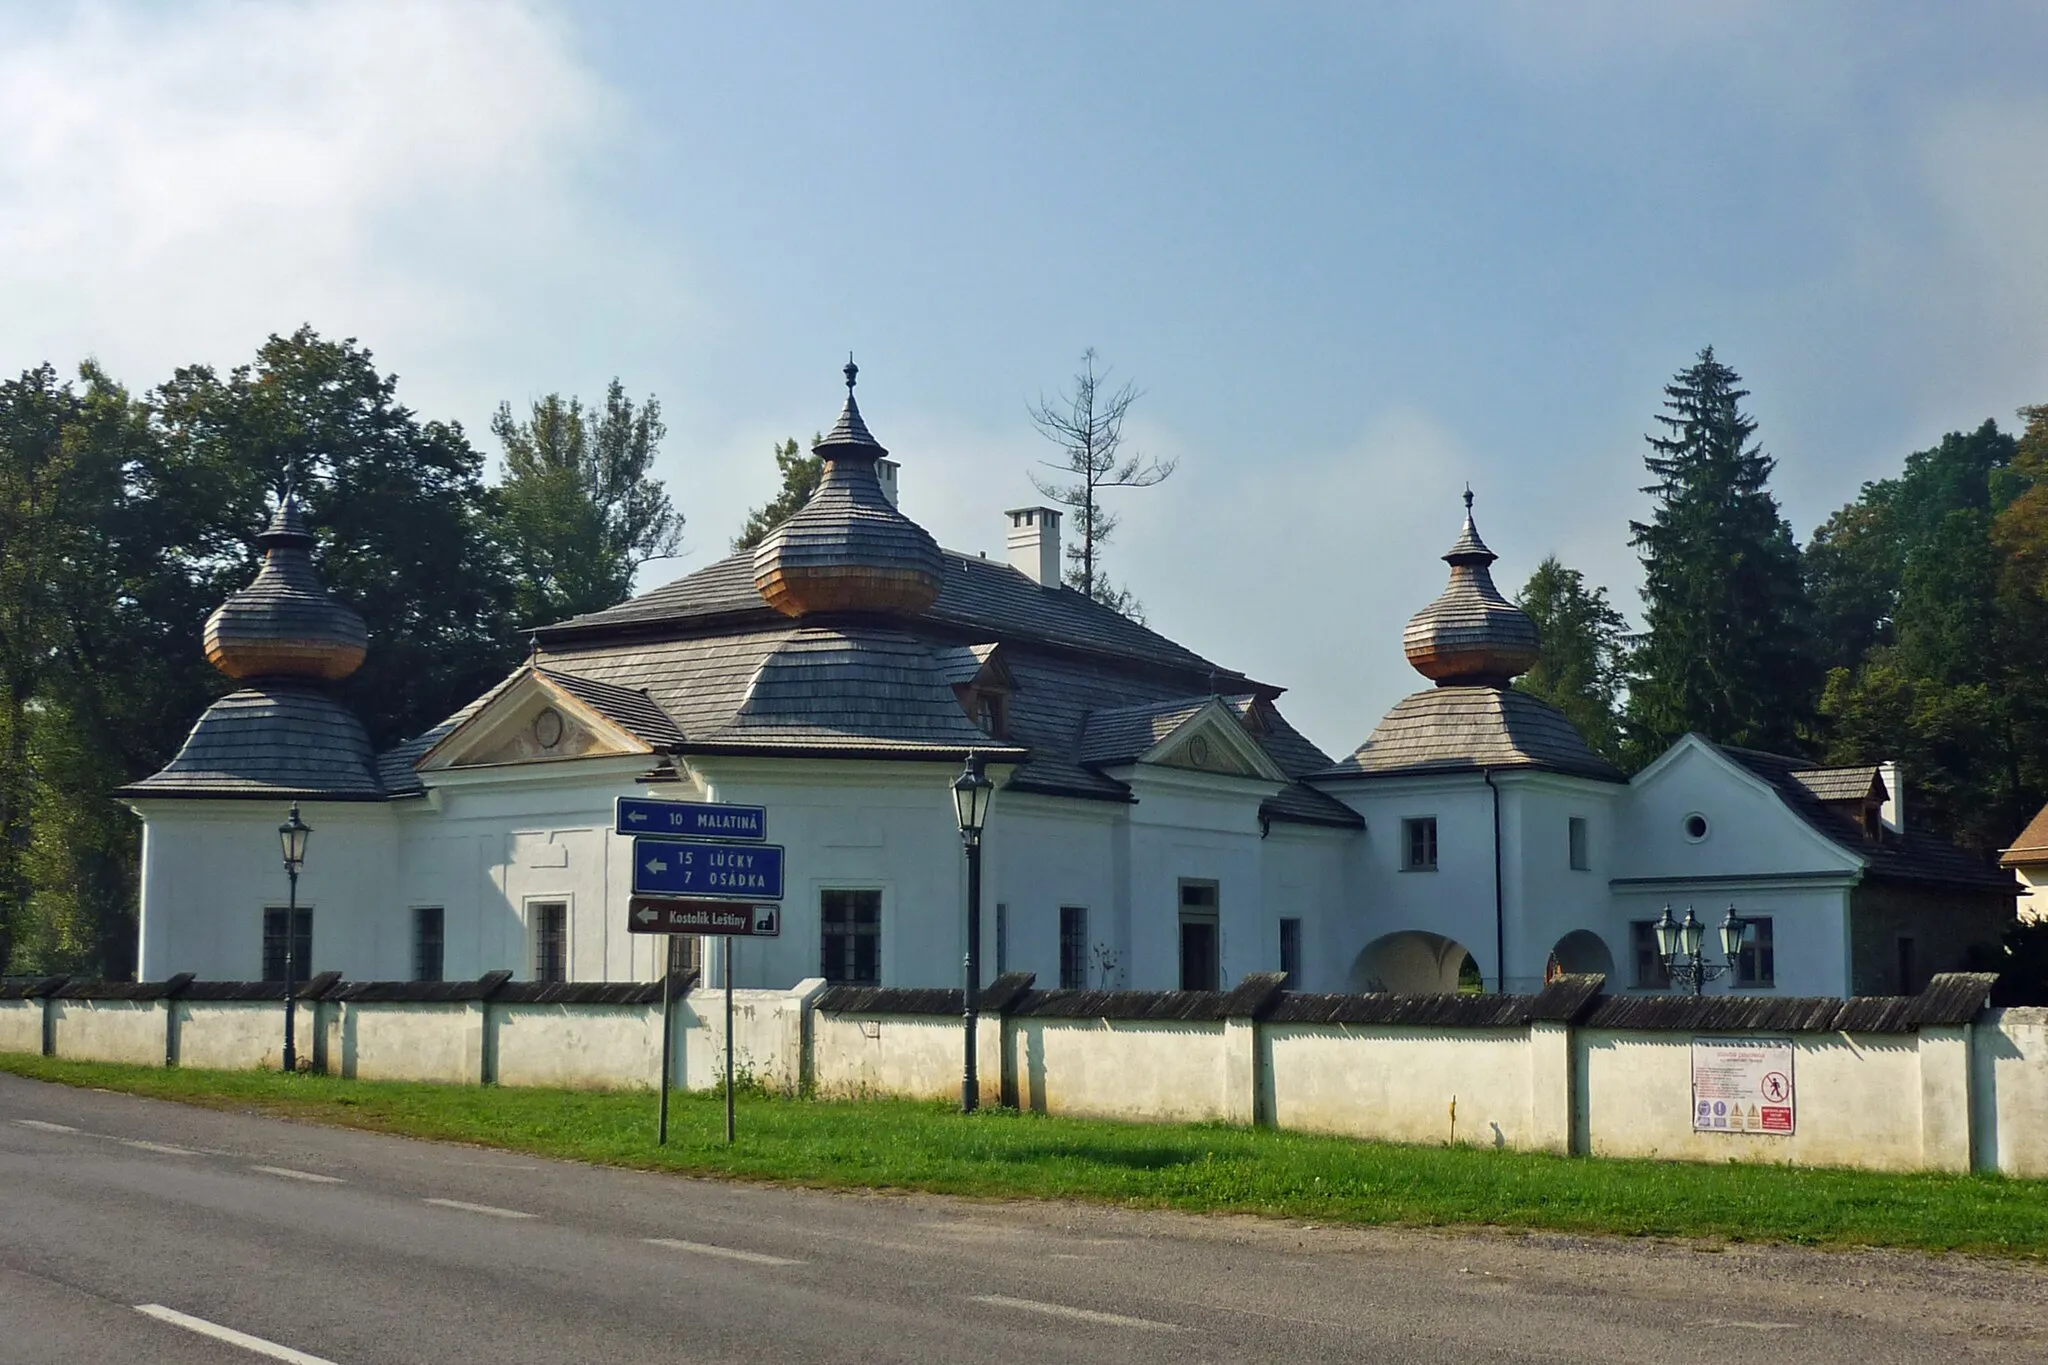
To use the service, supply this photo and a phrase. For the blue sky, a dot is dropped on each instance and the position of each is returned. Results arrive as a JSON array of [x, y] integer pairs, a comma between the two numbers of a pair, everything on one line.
[[1355, 255]]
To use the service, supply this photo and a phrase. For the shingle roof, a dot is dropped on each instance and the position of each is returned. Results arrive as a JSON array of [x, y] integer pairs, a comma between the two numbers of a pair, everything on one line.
[[1914, 856], [277, 739], [1115, 735], [2032, 844], [627, 707], [1856, 783], [1468, 728]]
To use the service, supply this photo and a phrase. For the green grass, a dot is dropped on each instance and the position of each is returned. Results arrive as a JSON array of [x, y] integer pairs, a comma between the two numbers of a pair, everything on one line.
[[904, 1145]]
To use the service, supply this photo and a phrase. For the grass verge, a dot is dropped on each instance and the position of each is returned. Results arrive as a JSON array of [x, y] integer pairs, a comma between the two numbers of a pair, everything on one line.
[[905, 1145]]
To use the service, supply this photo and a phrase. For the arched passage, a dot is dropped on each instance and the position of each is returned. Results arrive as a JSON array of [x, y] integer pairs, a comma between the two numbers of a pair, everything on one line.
[[1411, 962], [1580, 953]]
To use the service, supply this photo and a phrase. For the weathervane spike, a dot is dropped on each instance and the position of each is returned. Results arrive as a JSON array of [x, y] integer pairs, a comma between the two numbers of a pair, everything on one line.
[[1468, 498], [852, 373]]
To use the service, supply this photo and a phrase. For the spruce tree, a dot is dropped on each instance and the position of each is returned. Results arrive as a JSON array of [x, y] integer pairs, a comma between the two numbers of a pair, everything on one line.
[[1725, 609]]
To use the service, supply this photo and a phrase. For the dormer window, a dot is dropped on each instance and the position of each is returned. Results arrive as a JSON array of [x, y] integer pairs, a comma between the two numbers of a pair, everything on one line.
[[989, 709]]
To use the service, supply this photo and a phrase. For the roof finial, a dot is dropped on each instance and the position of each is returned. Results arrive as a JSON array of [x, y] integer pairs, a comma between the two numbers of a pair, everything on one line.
[[1468, 498], [852, 373]]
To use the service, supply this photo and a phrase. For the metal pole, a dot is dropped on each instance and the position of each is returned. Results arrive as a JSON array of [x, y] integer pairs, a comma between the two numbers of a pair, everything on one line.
[[730, 944], [291, 999], [970, 1084], [668, 1030]]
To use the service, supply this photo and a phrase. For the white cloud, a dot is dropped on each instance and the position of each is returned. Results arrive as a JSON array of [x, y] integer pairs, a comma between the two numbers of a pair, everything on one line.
[[175, 184]]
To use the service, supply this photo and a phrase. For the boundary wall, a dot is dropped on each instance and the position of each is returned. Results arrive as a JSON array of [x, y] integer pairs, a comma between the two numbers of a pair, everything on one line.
[[1933, 1082]]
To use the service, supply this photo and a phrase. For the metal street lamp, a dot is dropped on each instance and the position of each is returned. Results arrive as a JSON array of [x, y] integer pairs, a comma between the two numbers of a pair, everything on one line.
[[971, 791], [1681, 946], [294, 834]]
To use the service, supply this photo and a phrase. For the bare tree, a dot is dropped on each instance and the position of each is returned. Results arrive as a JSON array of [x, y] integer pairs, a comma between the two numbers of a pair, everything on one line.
[[1088, 427]]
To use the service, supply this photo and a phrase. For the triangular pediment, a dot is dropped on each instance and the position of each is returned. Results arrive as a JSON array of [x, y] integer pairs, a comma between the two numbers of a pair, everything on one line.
[[533, 720], [1213, 740]]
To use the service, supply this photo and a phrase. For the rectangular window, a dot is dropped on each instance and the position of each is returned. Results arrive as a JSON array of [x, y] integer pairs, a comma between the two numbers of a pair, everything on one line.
[[427, 940], [1290, 952], [1582, 860], [1201, 958], [685, 954], [1073, 947], [1002, 937], [1757, 963], [1418, 844], [850, 931], [1909, 967], [1642, 942], [273, 943], [550, 921]]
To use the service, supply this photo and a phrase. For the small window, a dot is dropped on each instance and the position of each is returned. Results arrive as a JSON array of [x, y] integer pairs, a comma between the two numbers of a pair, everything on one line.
[[685, 954], [1582, 860], [1002, 938], [550, 921], [274, 964], [850, 932], [1909, 967], [1290, 952], [428, 939], [1418, 840], [1757, 963], [1073, 947], [1201, 957], [1696, 827], [1642, 941]]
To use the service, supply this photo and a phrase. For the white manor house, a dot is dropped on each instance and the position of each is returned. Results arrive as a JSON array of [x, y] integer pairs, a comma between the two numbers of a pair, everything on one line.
[[1157, 824]]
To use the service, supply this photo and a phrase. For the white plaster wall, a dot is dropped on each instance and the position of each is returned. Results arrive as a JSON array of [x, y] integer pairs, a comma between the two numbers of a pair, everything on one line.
[[917, 1056], [1040, 853], [111, 1031], [1397, 1084], [577, 1047], [2009, 1066], [1305, 868], [1809, 928], [21, 1026], [767, 1031], [234, 1035], [1544, 896], [406, 1041], [1121, 1068], [1456, 900], [210, 868], [1194, 827], [1858, 1099]]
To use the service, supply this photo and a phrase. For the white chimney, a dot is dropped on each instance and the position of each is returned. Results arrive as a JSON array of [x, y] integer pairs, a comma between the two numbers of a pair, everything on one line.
[[1893, 813], [1035, 544], [885, 474]]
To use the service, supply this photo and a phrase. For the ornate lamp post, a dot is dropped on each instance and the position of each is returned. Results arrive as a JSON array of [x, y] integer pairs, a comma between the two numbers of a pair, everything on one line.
[[971, 791], [1681, 945], [294, 834]]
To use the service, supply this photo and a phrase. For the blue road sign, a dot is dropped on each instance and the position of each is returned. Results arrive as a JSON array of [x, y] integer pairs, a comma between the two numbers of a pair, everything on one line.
[[691, 819], [700, 868]]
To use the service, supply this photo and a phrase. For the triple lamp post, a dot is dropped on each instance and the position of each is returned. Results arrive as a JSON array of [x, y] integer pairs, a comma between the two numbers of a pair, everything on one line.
[[1680, 945], [294, 833], [971, 791]]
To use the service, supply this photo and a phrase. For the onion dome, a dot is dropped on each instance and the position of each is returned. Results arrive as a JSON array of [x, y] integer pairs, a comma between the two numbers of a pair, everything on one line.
[[284, 625], [1471, 635], [848, 548]]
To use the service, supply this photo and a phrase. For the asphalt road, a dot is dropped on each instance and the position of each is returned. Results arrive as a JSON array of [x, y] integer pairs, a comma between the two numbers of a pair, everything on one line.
[[132, 1229]]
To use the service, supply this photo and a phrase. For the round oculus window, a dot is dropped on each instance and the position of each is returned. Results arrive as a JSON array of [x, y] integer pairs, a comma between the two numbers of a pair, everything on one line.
[[547, 728], [1695, 826], [1198, 751]]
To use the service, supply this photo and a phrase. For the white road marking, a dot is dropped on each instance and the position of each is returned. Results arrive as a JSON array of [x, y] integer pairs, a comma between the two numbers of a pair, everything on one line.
[[229, 1335], [161, 1147], [1753, 1326], [491, 1209], [44, 1127], [289, 1174], [730, 1253], [1060, 1310]]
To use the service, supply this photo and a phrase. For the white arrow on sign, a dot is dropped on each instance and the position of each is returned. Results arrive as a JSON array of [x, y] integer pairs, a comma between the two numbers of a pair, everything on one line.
[[656, 865], [638, 817], [647, 916]]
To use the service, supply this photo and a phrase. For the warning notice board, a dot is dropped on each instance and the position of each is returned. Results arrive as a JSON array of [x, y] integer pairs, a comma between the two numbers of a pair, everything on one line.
[[1742, 1085]]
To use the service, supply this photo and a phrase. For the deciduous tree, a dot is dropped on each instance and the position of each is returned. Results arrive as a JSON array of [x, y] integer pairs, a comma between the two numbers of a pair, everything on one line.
[[801, 474]]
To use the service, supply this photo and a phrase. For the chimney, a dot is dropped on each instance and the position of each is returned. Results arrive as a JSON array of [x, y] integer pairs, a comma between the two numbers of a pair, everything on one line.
[[1035, 544], [1893, 813], [885, 474]]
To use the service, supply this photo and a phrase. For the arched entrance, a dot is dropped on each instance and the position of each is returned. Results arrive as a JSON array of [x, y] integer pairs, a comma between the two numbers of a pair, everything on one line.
[[1413, 962], [1580, 953]]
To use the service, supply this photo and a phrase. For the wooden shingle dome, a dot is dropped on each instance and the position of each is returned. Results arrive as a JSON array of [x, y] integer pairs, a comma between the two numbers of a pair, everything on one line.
[[284, 625], [848, 549], [1471, 634]]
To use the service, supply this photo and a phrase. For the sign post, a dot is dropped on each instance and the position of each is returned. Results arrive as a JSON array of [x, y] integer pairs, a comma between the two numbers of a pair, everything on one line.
[[723, 919], [668, 1031], [731, 944]]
